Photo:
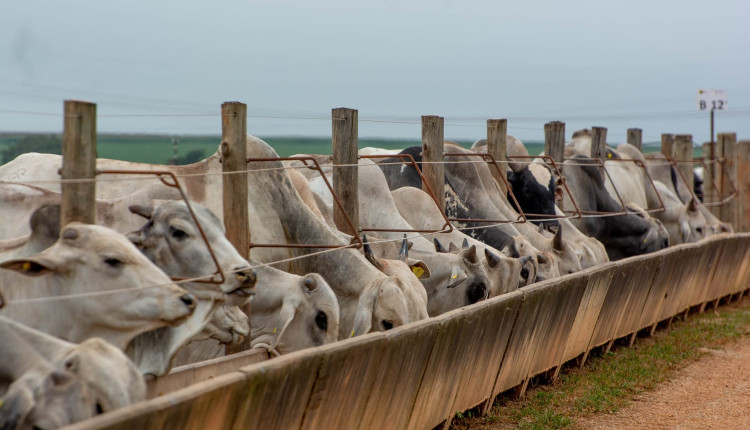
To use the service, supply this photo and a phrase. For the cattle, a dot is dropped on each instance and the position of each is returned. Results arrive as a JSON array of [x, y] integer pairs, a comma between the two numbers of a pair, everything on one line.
[[683, 222], [532, 184], [55, 382], [622, 235], [467, 198], [378, 211], [660, 169], [92, 282], [505, 274]]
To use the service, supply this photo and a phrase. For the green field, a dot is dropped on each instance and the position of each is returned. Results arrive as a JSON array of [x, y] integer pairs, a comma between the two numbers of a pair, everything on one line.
[[159, 149]]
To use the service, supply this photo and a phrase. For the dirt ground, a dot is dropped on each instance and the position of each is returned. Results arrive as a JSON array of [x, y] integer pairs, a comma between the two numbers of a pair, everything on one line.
[[712, 393]]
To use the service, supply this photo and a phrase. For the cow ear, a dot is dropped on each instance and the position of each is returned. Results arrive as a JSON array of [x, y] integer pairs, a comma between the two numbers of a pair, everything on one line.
[[452, 247], [72, 363], [458, 276], [419, 268], [542, 259], [286, 315], [135, 238], [365, 308], [439, 246], [142, 210], [492, 259], [31, 266], [692, 206]]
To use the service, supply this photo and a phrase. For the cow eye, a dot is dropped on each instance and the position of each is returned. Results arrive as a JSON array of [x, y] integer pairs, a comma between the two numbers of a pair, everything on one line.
[[321, 320], [99, 409], [387, 325], [525, 273], [179, 234], [113, 262], [699, 230]]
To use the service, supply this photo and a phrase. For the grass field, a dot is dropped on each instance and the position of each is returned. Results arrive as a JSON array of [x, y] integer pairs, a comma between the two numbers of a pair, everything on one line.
[[159, 149]]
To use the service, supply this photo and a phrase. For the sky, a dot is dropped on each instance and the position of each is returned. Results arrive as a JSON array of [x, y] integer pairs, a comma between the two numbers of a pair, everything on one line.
[[166, 66]]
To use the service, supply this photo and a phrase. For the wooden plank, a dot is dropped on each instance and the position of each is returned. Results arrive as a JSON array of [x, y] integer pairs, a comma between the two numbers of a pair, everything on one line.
[[79, 162], [635, 138], [624, 303], [709, 193], [344, 382], [599, 143], [742, 160], [554, 141], [557, 315], [344, 142], [704, 267], [433, 168], [399, 375], [721, 274], [489, 338], [669, 260], [184, 376], [667, 145], [497, 137], [588, 311]]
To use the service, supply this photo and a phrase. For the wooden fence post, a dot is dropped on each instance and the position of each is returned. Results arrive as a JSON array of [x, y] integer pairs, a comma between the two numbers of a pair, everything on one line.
[[554, 141], [667, 145], [728, 211], [599, 143], [234, 159], [79, 162], [497, 138], [742, 160], [635, 138], [345, 143], [234, 185], [708, 179], [683, 150], [433, 168]]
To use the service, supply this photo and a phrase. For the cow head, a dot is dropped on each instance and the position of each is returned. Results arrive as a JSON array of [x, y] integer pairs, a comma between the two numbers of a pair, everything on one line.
[[173, 241], [534, 187], [466, 283]]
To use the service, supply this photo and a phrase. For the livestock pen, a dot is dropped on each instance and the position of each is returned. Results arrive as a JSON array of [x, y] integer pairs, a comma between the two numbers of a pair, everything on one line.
[[419, 375]]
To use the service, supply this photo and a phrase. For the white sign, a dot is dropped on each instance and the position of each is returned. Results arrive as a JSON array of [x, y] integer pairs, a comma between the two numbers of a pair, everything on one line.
[[712, 100]]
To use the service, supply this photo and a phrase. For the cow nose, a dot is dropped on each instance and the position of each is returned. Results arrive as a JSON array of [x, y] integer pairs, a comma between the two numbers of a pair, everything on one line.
[[248, 277], [189, 300]]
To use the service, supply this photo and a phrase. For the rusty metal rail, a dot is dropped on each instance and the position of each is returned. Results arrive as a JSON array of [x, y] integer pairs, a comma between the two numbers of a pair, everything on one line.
[[356, 240], [642, 165], [165, 177], [722, 200], [446, 228]]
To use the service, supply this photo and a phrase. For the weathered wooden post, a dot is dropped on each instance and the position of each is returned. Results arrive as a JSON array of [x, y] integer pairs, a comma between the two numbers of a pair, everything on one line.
[[432, 156], [742, 166], [728, 211], [345, 141], [635, 138], [554, 141], [234, 181], [708, 179], [234, 165], [599, 143], [79, 162], [497, 137], [683, 150], [667, 145]]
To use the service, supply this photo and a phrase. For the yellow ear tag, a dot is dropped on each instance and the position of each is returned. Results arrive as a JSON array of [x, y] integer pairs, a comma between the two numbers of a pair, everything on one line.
[[609, 155], [418, 271], [455, 275], [352, 335], [274, 330], [26, 266], [1, 403]]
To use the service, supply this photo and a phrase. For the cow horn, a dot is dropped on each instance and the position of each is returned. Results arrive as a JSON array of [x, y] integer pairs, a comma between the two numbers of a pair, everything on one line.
[[465, 244], [452, 247], [541, 228], [369, 254], [692, 206], [557, 240], [471, 254], [524, 259], [144, 211], [492, 259], [439, 246], [403, 254]]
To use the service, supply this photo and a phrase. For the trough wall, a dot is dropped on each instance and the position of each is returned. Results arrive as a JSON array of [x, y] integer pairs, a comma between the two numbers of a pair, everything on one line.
[[419, 375]]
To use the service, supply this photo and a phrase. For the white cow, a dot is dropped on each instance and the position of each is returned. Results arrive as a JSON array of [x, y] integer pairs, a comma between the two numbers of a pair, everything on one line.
[[92, 282], [55, 382]]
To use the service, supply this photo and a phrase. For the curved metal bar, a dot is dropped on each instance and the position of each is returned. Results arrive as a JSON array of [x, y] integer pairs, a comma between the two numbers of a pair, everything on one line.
[[305, 159], [485, 156], [704, 164], [549, 160], [446, 228], [161, 174], [642, 165]]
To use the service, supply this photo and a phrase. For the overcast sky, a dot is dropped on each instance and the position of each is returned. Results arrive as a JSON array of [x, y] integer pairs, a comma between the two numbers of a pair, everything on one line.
[[150, 64]]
